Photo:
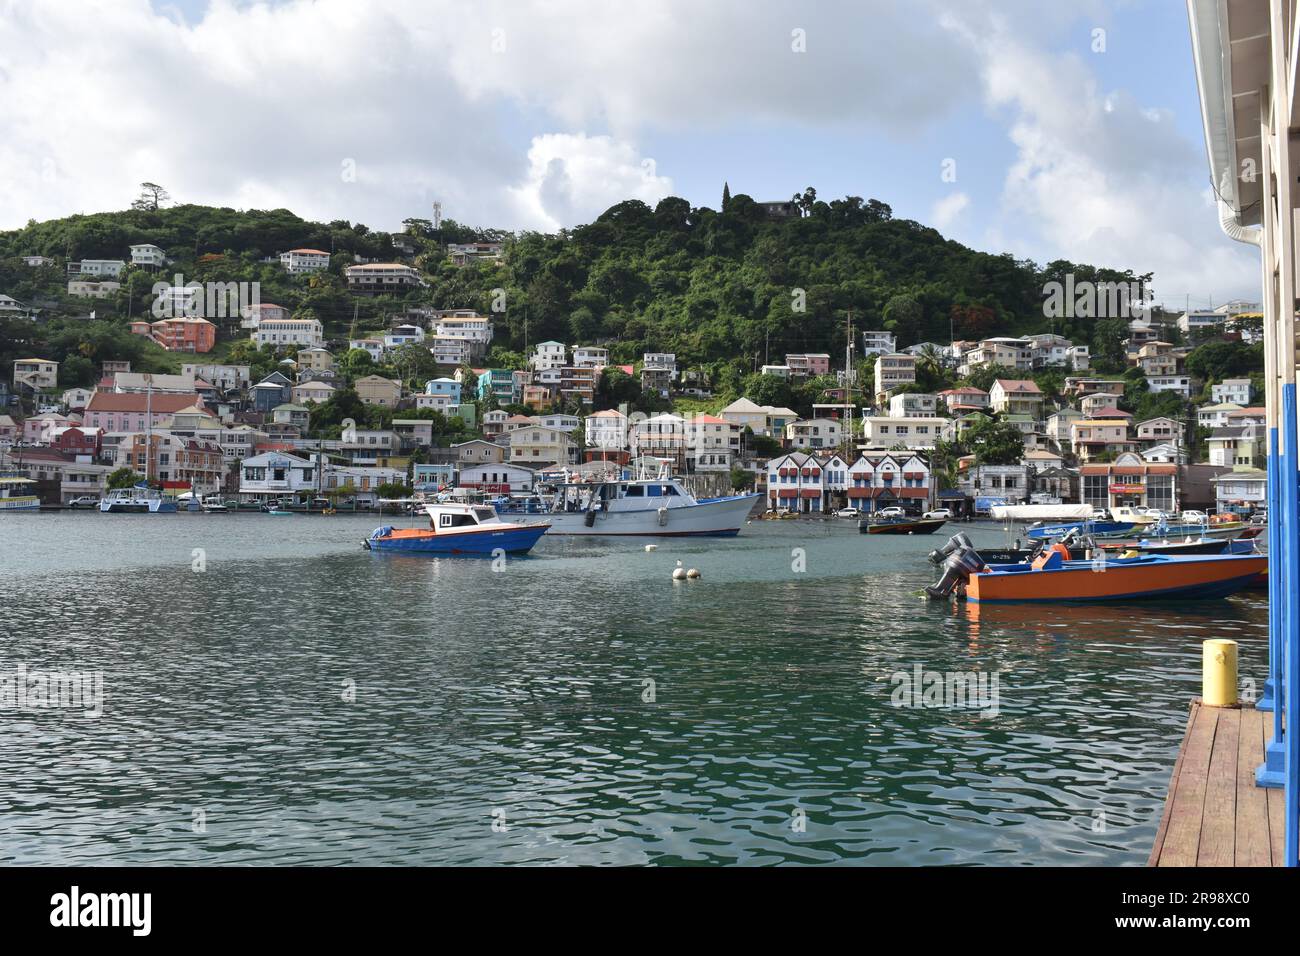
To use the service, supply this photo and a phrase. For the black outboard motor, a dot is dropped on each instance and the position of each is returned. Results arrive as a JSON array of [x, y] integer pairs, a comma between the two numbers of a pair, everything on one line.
[[960, 561]]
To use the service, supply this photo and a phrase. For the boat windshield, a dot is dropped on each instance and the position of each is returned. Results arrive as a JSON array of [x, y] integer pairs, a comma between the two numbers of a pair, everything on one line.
[[485, 515]]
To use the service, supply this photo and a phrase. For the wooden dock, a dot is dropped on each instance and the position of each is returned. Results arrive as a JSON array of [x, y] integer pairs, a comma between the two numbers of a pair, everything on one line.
[[1214, 814]]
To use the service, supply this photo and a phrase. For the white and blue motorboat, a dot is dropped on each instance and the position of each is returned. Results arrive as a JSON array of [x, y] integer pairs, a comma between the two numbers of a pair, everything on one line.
[[459, 529], [140, 499], [644, 506]]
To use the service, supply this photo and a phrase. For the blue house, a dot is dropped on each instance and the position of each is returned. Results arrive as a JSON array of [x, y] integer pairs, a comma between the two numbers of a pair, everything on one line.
[[444, 386]]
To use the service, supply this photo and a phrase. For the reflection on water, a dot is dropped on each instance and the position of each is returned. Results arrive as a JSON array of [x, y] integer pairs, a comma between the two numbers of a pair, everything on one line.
[[311, 702]]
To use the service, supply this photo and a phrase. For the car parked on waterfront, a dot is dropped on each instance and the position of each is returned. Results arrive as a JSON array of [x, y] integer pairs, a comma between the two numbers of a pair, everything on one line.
[[84, 501], [944, 513], [893, 512], [1194, 517], [848, 513]]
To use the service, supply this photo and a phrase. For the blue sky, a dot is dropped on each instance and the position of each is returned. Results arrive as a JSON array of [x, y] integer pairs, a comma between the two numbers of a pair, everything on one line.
[[541, 114]]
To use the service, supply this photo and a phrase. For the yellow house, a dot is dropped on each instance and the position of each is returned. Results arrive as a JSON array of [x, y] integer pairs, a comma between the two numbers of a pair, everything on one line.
[[377, 390]]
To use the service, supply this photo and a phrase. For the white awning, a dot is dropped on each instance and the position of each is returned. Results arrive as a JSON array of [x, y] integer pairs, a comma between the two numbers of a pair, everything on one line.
[[1041, 512]]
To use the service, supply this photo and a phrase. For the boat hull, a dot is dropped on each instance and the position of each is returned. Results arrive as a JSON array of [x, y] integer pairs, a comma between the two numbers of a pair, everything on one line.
[[1098, 529], [518, 540], [23, 503], [716, 517], [1148, 578], [923, 526]]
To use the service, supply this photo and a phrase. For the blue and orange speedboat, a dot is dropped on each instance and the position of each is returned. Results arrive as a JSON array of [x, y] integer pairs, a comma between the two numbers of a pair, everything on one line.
[[459, 529], [1053, 577]]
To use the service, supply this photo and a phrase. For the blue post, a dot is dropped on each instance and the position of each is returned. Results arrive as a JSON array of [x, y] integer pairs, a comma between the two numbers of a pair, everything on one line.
[[1290, 531], [1267, 695], [1272, 772]]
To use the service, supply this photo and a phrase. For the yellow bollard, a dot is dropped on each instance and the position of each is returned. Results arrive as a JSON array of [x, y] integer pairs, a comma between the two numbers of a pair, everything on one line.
[[1219, 673]]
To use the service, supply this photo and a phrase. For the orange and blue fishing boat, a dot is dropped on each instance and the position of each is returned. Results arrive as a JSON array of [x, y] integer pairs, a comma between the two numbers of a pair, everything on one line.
[[459, 529], [1053, 577], [1154, 577]]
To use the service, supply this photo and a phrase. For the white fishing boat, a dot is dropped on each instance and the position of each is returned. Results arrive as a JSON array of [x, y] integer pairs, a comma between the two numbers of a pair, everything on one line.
[[644, 506], [12, 500], [137, 500]]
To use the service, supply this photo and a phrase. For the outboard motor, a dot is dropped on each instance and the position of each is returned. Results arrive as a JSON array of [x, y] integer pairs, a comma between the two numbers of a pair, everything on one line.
[[960, 561], [957, 541]]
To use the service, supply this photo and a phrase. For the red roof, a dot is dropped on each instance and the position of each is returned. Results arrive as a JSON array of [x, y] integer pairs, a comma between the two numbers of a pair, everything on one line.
[[164, 402], [1110, 412], [1019, 385]]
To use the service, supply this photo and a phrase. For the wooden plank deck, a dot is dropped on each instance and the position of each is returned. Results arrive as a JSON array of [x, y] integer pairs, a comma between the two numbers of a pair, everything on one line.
[[1214, 814]]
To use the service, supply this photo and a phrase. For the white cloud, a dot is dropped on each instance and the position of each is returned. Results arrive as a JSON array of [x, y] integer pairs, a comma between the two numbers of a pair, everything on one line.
[[262, 103], [1098, 177], [946, 210], [575, 178]]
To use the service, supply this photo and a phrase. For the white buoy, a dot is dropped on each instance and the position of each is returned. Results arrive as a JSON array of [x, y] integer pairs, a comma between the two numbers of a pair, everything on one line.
[[693, 573], [652, 547], [679, 572]]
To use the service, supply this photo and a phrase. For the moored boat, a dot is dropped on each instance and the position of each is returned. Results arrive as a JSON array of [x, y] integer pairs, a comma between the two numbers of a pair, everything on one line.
[[902, 526], [459, 529], [9, 501], [1054, 577], [643, 506], [140, 499]]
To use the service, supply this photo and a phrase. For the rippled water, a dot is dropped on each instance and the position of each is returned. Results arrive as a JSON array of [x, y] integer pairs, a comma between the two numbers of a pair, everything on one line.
[[501, 717]]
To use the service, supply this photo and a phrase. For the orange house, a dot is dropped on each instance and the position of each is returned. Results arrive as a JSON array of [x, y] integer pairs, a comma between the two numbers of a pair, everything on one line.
[[179, 334]]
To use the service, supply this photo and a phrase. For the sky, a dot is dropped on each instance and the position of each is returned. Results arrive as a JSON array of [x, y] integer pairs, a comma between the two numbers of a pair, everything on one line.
[[1067, 129]]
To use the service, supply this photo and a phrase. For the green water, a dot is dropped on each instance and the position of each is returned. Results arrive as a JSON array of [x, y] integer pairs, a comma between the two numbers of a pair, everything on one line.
[[285, 697]]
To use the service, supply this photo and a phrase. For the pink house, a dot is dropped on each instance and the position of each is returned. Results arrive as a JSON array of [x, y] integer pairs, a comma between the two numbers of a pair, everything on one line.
[[133, 411], [37, 429]]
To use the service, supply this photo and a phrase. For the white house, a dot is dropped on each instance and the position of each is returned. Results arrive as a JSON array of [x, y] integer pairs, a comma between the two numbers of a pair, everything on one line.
[[1234, 390], [496, 477], [1181, 384], [885, 480], [304, 260], [914, 405], [147, 254], [876, 342], [713, 442], [606, 430], [883, 432], [305, 332], [795, 482], [549, 354], [815, 433], [590, 356]]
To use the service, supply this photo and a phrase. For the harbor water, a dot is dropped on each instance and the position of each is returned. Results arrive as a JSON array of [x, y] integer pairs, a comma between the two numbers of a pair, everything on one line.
[[275, 694]]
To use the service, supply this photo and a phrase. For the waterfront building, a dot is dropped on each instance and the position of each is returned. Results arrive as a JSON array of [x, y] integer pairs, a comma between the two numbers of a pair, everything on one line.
[[712, 442], [1129, 480], [1242, 488], [497, 477], [795, 482], [888, 479]]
